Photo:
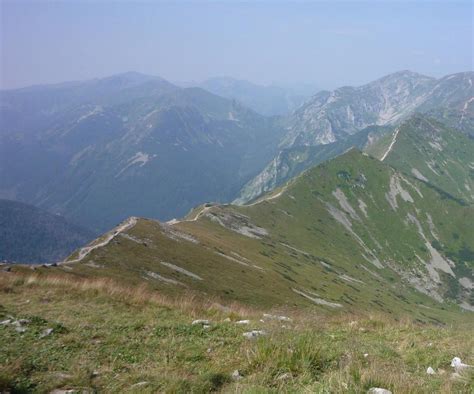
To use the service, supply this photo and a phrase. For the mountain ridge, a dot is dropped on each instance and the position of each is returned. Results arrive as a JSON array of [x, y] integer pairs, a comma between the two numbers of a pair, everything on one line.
[[322, 233], [330, 117], [104, 154]]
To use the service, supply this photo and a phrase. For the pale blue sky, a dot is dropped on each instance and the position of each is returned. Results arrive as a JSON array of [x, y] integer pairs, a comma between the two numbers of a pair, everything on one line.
[[327, 43]]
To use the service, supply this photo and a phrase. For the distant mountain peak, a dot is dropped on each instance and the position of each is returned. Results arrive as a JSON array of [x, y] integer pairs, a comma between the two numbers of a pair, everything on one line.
[[405, 74]]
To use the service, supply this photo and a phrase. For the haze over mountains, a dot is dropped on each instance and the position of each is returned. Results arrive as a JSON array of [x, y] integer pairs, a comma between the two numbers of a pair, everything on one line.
[[266, 100], [319, 240], [128, 144], [99, 151], [332, 117], [358, 203], [236, 197], [32, 235]]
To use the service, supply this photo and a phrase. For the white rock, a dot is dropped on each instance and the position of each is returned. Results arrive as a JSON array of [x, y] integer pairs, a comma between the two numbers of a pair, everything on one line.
[[20, 322], [242, 322], [5, 322], [366, 355], [236, 375], [458, 365], [227, 319], [253, 334], [285, 376], [430, 371], [378, 390], [46, 332], [201, 321], [140, 384], [20, 329]]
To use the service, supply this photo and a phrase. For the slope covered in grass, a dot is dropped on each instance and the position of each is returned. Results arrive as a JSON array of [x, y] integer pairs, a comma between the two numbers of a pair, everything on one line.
[[431, 152], [352, 234], [108, 337]]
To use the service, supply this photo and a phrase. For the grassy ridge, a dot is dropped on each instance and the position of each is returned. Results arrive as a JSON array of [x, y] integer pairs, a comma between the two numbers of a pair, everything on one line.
[[372, 263]]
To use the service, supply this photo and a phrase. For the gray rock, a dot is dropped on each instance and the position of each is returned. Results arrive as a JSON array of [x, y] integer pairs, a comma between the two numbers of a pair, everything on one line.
[[236, 375], [22, 322], [254, 334], [201, 322], [430, 371], [285, 376], [377, 390], [458, 365], [140, 384], [275, 317], [46, 332]]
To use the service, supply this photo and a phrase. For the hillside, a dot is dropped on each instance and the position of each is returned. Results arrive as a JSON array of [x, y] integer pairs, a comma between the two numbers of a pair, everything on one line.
[[32, 235], [128, 145], [98, 335], [335, 116], [317, 242], [330, 115], [433, 153], [290, 162]]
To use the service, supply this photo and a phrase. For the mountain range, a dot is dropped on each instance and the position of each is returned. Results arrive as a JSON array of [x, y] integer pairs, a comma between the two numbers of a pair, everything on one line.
[[332, 117], [101, 150], [267, 100], [373, 189], [98, 151], [350, 234], [346, 266]]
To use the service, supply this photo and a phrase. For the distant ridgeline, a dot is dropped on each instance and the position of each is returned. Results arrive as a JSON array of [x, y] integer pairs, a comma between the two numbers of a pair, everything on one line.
[[351, 234], [133, 144]]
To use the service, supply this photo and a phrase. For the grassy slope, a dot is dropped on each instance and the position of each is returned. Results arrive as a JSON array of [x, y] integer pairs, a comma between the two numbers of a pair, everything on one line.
[[293, 161], [108, 338], [326, 257], [443, 156]]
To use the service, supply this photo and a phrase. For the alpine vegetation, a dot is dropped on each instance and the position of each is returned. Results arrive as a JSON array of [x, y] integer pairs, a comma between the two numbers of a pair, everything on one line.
[[288, 208]]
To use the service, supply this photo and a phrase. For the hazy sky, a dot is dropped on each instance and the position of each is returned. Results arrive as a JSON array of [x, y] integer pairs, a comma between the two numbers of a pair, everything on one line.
[[328, 43]]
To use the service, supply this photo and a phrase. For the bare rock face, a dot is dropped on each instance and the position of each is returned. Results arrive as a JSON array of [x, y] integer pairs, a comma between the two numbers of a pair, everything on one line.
[[237, 222]]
